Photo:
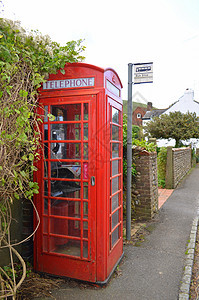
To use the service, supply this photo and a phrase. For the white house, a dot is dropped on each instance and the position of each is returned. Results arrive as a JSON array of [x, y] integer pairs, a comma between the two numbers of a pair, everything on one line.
[[185, 104]]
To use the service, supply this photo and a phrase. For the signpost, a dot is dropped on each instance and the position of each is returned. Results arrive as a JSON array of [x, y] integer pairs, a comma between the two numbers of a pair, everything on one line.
[[143, 73]]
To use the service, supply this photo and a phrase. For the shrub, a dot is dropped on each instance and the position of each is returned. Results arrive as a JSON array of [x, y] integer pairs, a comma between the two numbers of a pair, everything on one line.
[[161, 161], [26, 58]]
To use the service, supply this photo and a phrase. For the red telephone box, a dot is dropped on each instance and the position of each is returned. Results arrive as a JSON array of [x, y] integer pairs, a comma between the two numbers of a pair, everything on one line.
[[80, 174]]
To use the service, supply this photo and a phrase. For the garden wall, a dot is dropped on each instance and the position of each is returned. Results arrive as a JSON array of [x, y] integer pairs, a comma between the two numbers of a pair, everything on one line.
[[21, 228], [178, 165], [145, 194]]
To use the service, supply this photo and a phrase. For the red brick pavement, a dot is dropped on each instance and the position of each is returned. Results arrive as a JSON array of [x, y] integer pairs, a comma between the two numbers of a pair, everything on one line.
[[163, 195]]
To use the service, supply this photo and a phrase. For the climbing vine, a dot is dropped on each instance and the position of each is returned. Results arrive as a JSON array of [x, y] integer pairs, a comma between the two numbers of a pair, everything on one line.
[[26, 59]]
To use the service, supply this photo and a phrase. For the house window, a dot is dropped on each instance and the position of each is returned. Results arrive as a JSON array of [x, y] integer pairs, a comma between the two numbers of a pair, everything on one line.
[[139, 116]]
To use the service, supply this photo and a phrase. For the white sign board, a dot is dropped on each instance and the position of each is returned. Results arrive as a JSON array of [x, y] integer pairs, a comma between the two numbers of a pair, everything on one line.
[[143, 73], [69, 83]]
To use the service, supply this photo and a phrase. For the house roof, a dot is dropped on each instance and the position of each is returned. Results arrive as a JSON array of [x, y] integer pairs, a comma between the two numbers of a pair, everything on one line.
[[185, 104], [153, 113]]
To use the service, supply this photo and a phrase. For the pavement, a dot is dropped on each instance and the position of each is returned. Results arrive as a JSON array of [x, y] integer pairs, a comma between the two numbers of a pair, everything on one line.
[[160, 268], [163, 195]]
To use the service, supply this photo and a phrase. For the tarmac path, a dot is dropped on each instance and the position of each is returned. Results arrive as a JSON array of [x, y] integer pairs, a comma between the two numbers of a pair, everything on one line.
[[154, 270]]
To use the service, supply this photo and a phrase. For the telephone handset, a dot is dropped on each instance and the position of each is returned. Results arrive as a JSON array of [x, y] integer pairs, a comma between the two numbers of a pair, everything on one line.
[[57, 145]]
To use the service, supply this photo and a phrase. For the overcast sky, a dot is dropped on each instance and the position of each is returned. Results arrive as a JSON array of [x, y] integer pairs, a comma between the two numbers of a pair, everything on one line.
[[165, 32]]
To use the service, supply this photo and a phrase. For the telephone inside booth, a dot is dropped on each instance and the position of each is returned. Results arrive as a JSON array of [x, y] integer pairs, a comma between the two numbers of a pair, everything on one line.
[[63, 166]]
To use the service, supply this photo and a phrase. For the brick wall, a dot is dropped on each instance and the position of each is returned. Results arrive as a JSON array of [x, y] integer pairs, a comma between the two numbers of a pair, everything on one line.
[[146, 185], [178, 165]]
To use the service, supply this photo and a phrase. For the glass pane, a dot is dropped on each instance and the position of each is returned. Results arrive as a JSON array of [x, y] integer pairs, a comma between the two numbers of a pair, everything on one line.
[[115, 219], [65, 131], [65, 150], [85, 229], [45, 243], [45, 206], [65, 208], [115, 150], [67, 189], [45, 225], [45, 188], [115, 133], [45, 169], [86, 131], [45, 132], [85, 190], [85, 209], [65, 246], [115, 115], [66, 112], [115, 167], [85, 111], [85, 170], [45, 150], [115, 236], [65, 227], [45, 113], [85, 249], [115, 185], [85, 150], [115, 202], [65, 170]]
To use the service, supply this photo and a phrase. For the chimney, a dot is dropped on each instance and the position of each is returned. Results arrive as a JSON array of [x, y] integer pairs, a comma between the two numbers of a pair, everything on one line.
[[149, 106]]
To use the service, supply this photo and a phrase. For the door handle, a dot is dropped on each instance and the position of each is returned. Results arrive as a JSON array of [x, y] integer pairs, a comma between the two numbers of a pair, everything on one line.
[[93, 180]]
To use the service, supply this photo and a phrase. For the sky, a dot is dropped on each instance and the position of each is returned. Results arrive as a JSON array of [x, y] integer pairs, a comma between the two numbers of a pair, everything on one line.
[[116, 33]]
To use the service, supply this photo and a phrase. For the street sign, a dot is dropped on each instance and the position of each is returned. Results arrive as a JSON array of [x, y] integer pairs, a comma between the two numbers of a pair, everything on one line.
[[143, 73]]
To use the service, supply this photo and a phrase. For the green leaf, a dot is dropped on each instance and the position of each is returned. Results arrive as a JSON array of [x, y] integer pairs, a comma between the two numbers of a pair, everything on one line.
[[62, 71], [35, 191], [23, 93], [23, 174], [15, 174], [51, 117], [20, 184], [31, 157], [16, 195], [24, 157], [31, 184], [33, 168]]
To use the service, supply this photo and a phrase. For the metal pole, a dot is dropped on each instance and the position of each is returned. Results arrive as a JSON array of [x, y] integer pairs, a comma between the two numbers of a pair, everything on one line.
[[129, 154]]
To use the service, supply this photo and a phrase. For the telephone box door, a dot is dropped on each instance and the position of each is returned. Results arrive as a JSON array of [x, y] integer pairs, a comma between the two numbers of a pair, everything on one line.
[[66, 241]]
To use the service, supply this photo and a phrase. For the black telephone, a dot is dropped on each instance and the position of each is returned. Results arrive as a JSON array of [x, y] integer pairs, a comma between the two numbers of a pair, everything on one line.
[[57, 146]]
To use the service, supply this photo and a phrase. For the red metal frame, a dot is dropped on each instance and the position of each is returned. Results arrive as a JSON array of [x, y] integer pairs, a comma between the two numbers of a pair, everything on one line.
[[63, 215]]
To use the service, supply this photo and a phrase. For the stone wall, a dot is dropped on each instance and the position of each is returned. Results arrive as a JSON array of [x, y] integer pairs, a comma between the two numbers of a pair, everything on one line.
[[178, 165], [146, 185]]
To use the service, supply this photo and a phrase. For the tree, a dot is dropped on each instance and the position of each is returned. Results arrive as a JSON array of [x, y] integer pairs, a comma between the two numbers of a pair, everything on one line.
[[136, 132], [175, 125]]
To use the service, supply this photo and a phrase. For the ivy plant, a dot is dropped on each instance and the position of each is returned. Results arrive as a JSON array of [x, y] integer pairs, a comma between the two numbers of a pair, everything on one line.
[[26, 59]]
